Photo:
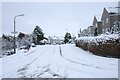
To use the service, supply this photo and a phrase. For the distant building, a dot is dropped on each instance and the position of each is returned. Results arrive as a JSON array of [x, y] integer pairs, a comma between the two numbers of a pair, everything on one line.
[[90, 31], [97, 24], [55, 40], [84, 32], [99, 27]]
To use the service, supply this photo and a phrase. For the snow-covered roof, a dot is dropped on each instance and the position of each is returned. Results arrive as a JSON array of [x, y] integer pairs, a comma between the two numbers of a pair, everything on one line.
[[56, 37]]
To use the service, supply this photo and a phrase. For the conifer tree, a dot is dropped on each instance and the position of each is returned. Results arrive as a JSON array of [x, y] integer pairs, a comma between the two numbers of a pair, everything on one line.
[[67, 37], [38, 34]]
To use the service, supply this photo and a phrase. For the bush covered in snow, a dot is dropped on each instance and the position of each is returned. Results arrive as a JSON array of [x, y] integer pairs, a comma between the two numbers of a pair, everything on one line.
[[105, 45], [7, 44]]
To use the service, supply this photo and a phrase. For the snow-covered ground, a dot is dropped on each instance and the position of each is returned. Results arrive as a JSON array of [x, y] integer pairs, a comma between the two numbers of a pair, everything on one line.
[[58, 61]]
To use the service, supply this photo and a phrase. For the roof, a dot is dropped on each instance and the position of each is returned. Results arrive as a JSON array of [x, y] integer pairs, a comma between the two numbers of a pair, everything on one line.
[[104, 13], [109, 11], [94, 20]]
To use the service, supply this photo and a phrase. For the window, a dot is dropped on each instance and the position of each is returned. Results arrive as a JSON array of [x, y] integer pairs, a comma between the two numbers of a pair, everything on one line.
[[106, 20], [103, 22], [96, 25]]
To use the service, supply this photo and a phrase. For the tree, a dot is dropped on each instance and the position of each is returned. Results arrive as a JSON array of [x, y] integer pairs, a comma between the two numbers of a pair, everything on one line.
[[4, 36], [116, 27], [21, 35], [38, 34], [7, 44], [95, 32], [67, 37], [34, 41]]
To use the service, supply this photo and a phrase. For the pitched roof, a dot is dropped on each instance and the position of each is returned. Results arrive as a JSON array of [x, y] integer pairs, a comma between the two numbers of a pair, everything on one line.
[[94, 20], [104, 12]]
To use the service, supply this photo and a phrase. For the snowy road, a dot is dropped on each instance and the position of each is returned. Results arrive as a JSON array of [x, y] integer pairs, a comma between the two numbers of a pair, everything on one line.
[[58, 61]]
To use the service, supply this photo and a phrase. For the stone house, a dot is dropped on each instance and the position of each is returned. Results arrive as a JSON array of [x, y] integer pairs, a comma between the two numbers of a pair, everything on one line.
[[84, 32], [97, 24], [90, 31], [108, 19]]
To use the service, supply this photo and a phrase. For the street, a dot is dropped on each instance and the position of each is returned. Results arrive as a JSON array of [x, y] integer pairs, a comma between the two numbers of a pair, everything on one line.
[[58, 61]]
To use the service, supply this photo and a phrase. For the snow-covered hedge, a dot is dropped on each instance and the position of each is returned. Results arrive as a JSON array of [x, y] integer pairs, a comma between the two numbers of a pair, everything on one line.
[[106, 45]]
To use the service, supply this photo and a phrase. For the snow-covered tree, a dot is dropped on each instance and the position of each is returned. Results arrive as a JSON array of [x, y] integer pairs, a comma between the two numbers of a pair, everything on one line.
[[116, 27], [38, 35], [7, 43], [67, 37], [21, 35]]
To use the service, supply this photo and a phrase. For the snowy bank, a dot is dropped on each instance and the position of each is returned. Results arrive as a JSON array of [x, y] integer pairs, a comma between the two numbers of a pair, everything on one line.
[[105, 45]]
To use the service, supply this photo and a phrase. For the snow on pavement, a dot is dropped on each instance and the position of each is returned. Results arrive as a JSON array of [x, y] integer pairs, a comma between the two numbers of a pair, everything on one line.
[[58, 61]]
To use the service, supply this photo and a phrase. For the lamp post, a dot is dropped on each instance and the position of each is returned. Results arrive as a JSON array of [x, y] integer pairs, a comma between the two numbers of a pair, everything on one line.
[[14, 32]]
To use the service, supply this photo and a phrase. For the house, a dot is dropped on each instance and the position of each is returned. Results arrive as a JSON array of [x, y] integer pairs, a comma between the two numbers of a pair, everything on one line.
[[90, 31], [97, 24], [84, 32], [23, 39], [99, 27], [108, 19], [55, 40]]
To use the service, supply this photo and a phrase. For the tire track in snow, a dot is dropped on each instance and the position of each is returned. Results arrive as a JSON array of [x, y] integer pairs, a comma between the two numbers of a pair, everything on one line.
[[30, 52], [51, 63], [60, 50], [45, 69], [23, 70], [54, 74]]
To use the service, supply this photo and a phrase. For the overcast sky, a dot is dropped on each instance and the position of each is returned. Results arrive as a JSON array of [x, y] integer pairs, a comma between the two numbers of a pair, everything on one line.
[[53, 18]]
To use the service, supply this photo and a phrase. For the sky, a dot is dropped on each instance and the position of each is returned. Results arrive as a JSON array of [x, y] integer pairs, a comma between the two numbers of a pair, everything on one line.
[[55, 18]]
